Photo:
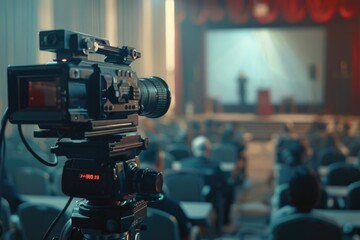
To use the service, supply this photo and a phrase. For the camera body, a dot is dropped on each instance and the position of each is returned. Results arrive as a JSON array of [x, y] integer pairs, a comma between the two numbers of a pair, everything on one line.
[[71, 94], [77, 94]]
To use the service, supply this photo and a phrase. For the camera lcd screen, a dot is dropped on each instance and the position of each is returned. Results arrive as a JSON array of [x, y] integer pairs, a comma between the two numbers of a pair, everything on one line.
[[41, 94]]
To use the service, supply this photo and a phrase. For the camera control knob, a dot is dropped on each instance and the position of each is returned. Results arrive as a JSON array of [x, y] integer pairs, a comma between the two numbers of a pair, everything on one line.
[[88, 45]]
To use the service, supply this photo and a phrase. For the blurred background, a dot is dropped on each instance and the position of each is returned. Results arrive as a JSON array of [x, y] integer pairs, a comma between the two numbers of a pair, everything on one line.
[[244, 74]]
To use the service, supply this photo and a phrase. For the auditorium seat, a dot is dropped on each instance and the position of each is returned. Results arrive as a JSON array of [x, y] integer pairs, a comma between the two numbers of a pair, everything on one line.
[[330, 157], [224, 152], [342, 174], [160, 225], [305, 226], [35, 219], [179, 150], [5, 216], [281, 198], [353, 197], [185, 185]]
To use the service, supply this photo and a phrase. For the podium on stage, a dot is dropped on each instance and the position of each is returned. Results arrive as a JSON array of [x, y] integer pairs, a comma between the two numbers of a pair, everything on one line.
[[264, 105]]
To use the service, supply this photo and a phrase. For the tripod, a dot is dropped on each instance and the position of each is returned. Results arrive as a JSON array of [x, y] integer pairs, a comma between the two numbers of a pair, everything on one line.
[[104, 172], [105, 221]]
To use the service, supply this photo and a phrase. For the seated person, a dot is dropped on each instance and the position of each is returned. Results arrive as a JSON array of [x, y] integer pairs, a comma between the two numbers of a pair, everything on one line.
[[152, 158], [293, 155], [304, 193], [213, 175]]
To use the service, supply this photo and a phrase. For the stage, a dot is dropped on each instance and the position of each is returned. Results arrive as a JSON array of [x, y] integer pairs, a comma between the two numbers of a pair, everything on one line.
[[263, 127]]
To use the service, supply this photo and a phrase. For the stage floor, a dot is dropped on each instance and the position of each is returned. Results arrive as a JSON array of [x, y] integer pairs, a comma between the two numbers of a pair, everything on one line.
[[278, 118], [266, 127]]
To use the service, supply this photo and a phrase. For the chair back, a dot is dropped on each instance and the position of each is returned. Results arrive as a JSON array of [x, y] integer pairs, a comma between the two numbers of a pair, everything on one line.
[[5, 215], [33, 181], [282, 197], [305, 226], [179, 150], [224, 152], [331, 157], [353, 197], [35, 219], [184, 185], [160, 225], [342, 174]]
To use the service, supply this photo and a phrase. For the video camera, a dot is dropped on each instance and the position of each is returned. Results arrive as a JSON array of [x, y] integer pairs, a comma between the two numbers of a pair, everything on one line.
[[96, 106], [76, 94]]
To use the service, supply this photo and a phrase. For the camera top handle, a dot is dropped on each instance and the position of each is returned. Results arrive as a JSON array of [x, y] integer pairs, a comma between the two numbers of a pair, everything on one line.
[[74, 45]]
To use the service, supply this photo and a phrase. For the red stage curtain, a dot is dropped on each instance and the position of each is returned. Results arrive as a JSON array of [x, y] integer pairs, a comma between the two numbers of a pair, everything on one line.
[[239, 10], [273, 12], [355, 69], [293, 11], [217, 12], [348, 8], [322, 10], [202, 10]]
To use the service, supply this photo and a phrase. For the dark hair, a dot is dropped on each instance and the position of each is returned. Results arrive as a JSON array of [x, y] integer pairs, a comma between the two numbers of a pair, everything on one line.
[[304, 189], [151, 154]]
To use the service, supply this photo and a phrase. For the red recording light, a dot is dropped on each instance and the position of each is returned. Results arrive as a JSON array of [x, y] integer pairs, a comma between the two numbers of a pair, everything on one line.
[[89, 176]]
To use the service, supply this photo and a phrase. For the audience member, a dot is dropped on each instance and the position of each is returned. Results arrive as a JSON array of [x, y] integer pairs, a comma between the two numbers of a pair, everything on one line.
[[201, 162], [304, 192], [316, 137], [330, 149], [283, 140], [229, 137], [152, 158], [345, 134], [291, 156]]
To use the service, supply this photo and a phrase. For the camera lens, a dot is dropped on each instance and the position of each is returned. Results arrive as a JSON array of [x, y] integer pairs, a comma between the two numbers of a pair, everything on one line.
[[146, 181], [155, 97]]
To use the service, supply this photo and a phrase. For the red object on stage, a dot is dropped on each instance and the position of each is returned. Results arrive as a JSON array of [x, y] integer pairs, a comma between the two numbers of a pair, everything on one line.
[[264, 106]]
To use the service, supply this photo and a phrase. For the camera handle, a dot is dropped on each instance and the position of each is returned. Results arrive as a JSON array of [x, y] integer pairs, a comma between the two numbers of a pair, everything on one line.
[[105, 221]]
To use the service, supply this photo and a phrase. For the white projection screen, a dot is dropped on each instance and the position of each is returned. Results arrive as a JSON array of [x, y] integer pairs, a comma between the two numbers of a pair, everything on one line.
[[288, 62]]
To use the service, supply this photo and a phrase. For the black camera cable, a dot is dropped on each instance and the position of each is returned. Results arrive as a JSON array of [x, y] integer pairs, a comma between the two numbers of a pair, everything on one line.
[[50, 164], [56, 220], [2, 155], [35, 155]]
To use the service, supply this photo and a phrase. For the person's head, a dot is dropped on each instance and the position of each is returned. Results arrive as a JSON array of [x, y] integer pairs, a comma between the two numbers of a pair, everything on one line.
[[152, 157], [304, 189], [201, 146]]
